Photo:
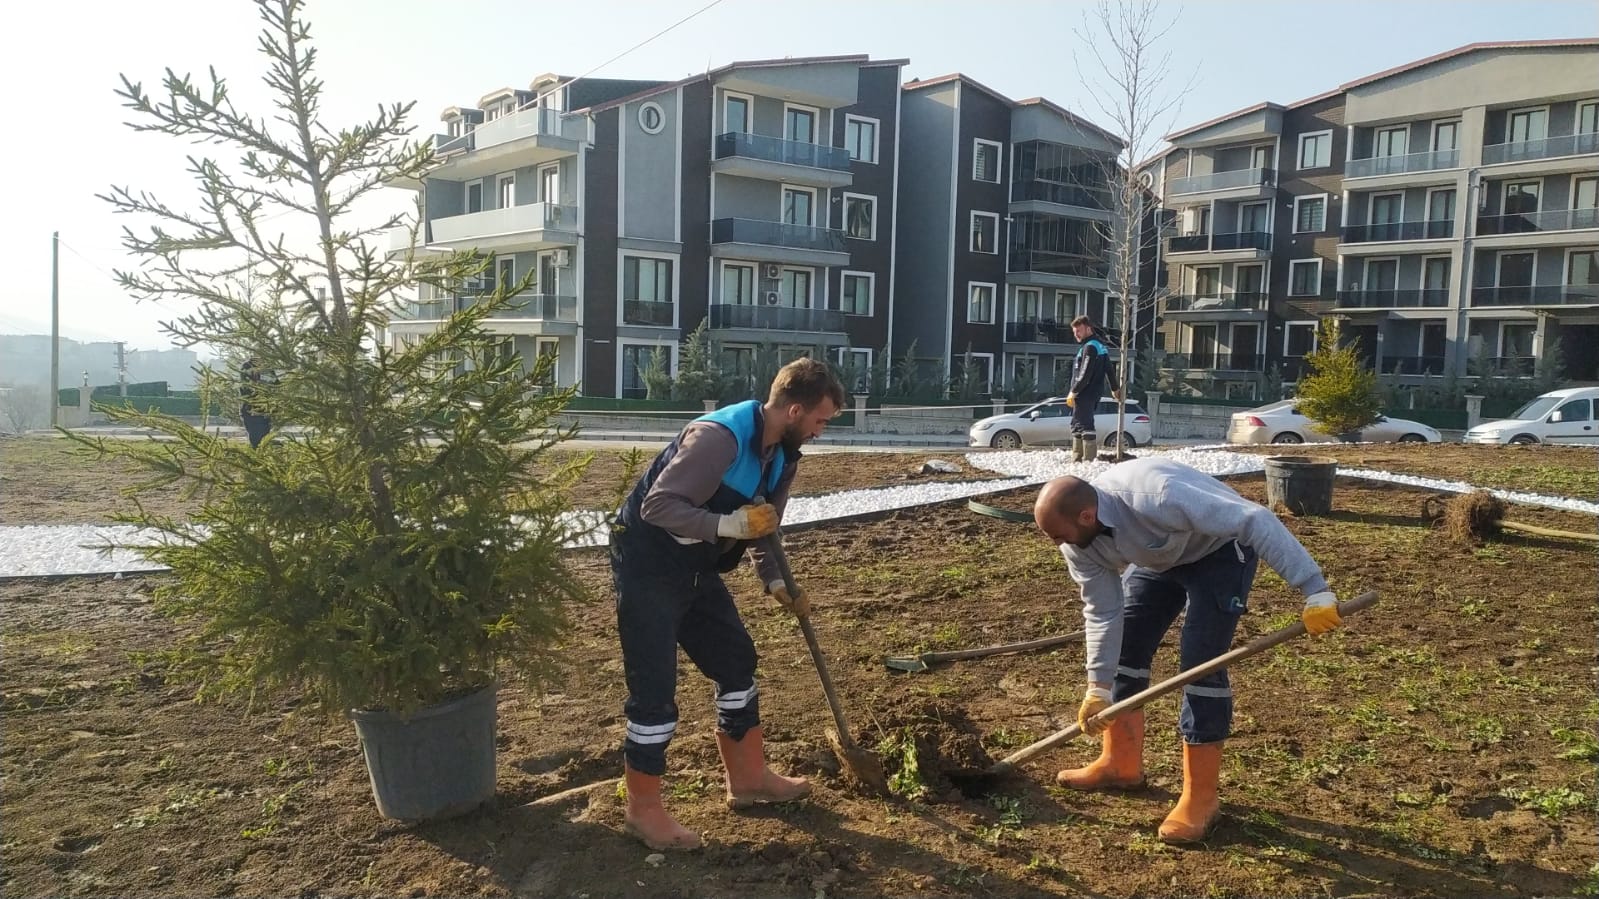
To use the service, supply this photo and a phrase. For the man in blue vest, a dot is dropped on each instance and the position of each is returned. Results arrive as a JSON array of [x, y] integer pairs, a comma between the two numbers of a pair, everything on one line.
[[1088, 385], [721, 484]]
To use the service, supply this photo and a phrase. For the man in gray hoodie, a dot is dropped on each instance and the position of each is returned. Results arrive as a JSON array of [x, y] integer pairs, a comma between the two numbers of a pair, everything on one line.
[[1144, 540]]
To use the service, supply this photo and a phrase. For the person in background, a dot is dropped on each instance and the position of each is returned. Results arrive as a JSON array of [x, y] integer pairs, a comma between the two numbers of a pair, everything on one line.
[[256, 425], [1089, 372]]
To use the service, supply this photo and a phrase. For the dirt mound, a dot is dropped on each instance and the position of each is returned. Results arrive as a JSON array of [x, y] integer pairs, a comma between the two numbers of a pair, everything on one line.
[[931, 751]]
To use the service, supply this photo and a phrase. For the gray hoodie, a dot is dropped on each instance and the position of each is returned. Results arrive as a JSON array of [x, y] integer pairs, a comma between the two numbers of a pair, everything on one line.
[[1163, 514]]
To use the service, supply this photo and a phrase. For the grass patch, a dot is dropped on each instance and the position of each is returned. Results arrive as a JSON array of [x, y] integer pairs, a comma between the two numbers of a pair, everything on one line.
[[1552, 804], [1548, 479]]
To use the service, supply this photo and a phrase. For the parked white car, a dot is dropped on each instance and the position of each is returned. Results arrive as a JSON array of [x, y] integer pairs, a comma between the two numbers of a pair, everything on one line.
[[1560, 416], [1050, 423], [1282, 422]]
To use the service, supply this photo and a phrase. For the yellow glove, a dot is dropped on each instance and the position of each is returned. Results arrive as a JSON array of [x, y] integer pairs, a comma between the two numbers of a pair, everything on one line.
[[1071, 400], [748, 522], [1321, 613], [798, 603], [1096, 700]]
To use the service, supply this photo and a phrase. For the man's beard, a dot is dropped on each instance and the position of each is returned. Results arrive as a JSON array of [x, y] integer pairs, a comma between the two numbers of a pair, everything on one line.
[[793, 438]]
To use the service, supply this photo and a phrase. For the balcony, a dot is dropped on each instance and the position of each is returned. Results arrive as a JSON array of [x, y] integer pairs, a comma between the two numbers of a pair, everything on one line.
[[1548, 148], [726, 316], [530, 226], [1541, 295], [1232, 302], [1238, 179], [1537, 222], [526, 137], [523, 123], [1059, 194], [1062, 269], [775, 159], [1393, 299], [1383, 232], [1398, 165], [1039, 331], [644, 312], [1242, 362], [1412, 365], [1256, 241], [764, 241]]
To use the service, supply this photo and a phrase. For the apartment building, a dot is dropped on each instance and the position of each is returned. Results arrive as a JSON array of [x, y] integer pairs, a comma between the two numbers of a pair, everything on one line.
[[1006, 214], [758, 198], [1444, 209]]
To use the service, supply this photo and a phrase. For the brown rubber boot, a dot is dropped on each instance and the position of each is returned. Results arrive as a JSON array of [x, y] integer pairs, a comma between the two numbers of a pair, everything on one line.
[[1120, 765], [1077, 447], [646, 817], [1091, 448], [1199, 807], [748, 779]]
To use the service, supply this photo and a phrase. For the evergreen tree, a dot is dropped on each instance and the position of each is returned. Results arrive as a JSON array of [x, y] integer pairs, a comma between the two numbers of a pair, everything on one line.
[[1339, 393]]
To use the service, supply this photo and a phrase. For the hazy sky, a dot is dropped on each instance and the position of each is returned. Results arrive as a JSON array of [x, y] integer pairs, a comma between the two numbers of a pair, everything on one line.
[[68, 142]]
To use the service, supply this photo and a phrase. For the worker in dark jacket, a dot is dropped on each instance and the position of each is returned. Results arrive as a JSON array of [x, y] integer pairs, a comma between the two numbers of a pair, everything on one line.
[[1088, 385], [256, 425], [722, 483]]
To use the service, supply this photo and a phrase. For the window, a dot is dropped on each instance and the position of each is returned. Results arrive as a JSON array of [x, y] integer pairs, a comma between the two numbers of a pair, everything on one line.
[[981, 366], [1260, 157], [985, 161], [860, 138], [1207, 282], [1113, 314], [637, 359], [855, 293], [1064, 307], [1310, 214], [1024, 371], [736, 114], [547, 348], [651, 117], [980, 304], [549, 275], [1441, 213], [647, 280], [505, 273], [1026, 305], [985, 232], [1435, 273], [474, 197], [1299, 338], [798, 206], [1582, 268], [1528, 125], [1315, 150], [1574, 410], [1585, 193], [738, 284], [1588, 118], [1252, 218], [1445, 136], [550, 184], [1391, 142], [1304, 278], [860, 217], [794, 288], [1521, 197], [799, 124], [505, 190]]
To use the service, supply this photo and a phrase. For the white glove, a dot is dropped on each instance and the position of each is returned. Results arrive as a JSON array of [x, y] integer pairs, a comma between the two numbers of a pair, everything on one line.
[[748, 522], [1321, 613]]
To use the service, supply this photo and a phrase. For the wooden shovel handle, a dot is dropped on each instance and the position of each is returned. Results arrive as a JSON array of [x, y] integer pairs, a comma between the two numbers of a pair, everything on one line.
[[773, 544], [1137, 701]]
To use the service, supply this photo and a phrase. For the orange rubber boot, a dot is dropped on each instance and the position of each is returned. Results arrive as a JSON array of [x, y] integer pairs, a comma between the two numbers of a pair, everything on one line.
[[646, 818], [1120, 765], [748, 779], [1199, 807]]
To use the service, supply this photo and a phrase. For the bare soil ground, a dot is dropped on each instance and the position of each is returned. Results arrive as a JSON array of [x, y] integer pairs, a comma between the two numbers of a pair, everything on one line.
[[1441, 744]]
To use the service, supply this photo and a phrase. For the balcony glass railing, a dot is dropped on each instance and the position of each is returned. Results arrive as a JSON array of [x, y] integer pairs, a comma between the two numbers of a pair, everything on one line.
[[1245, 301], [533, 122], [644, 312], [777, 234], [1393, 299], [1216, 243], [1395, 165], [775, 149], [1385, 231], [1534, 222], [543, 307], [444, 144], [1547, 148], [1223, 181], [1039, 331], [775, 318], [1412, 365], [1215, 361], [1541, 295], [1062, 194], [1047, 263]]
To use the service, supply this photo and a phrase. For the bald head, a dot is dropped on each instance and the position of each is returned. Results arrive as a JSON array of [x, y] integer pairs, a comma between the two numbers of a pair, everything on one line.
[[1067, 511]]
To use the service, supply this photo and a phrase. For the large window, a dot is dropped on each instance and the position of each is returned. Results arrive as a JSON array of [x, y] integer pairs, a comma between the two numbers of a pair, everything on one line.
[[637, 360], [855, 293], [1058, 245], [1299, 339], [794, 288], [798, 206], [980, 304], [1315, 150], [860, 138], [1304, 278], [505, 190], [860, 217], [1528, 125], [985, 161], [1207, 281], [799, 124], [1057, 173], [646, 280], [1582, 268], [985, 232], [1310, 214], [736, 114], [738, 285]]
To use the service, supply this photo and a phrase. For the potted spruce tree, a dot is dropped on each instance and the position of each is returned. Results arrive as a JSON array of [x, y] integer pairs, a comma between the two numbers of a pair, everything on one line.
[[1340, 395], [393, 550]]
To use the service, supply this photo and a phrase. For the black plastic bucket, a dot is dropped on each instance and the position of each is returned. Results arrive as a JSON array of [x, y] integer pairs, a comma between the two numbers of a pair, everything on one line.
[[1301, 484], [436, 764]]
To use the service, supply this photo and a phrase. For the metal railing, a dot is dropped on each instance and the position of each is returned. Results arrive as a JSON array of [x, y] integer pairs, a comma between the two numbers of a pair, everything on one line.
[[1195, 184], [1215, 361], [1215, 302], [1547, 148], [1039, 331], [645, 312], [1541, 295], [1216, 243], [776, 149], [1533, 222], [1063, 194], [775, 318], [1394, 165], [459, 143], [1412, 365], [1383, 231], [1407, 298], [776, 234]]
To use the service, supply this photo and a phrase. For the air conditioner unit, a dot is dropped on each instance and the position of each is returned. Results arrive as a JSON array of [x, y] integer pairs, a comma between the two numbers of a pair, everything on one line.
[[769, 270], [563, 258], [772, 297]]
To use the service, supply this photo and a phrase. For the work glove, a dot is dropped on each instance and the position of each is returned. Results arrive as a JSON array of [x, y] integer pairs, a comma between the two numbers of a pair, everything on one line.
[[750, 522], [797, 602], [1096, 700], [1321, 613], [1071, 400]]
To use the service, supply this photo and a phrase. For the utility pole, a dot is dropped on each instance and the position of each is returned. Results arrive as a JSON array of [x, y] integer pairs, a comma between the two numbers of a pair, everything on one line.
[[122, 368], [55, 328]]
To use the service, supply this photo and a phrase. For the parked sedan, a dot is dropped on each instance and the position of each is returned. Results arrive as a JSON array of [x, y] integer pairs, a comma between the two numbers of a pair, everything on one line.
[[1283, 423], [1050, 422]]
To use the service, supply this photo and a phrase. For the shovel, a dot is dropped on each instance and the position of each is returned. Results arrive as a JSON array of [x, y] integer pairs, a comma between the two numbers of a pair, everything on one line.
[[1137, 701], [861, 765], [925, 661]]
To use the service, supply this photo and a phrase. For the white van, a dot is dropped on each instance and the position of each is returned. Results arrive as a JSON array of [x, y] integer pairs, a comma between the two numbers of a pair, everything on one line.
[[1560, 416]]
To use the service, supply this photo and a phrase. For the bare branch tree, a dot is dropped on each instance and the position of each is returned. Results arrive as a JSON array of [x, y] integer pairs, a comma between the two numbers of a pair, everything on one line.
[[1132, 87]]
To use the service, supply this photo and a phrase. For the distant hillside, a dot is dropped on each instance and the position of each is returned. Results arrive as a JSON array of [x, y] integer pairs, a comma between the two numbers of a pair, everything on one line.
[[25, 359]]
